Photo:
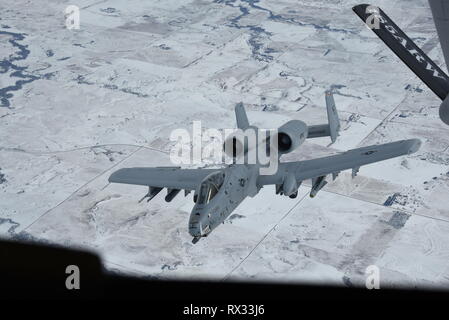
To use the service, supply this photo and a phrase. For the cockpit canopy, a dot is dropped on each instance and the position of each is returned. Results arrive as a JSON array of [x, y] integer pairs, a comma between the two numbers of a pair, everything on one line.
[[210, 187]]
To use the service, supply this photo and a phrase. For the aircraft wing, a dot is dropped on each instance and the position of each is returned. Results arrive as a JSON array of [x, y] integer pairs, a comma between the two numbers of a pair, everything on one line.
[[317, 169], [163, 177]]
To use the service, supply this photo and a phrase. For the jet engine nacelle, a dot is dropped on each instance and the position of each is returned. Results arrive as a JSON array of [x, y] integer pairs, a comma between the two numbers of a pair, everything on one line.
[[290, 136], [287, 138]]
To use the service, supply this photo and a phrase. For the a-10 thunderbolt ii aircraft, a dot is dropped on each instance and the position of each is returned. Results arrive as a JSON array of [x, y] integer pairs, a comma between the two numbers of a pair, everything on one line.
[[217, 192]]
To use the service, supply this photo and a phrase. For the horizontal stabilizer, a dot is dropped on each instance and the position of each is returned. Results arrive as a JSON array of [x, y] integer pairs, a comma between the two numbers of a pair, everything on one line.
[[404, 48]]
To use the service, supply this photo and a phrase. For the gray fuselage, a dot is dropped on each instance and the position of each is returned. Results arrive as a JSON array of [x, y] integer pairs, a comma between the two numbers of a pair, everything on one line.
[[214, 203]]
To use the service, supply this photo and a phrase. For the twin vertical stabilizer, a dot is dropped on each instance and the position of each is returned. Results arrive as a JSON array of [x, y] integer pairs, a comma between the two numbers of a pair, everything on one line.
[[333, 127], [330, 129]]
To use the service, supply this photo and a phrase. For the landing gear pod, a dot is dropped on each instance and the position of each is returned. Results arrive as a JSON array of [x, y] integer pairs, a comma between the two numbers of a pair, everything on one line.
[[290, 136], [290, 185]]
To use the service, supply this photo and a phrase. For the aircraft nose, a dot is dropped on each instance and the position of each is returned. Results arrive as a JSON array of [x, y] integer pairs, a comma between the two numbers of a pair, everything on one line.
[[195, 229]]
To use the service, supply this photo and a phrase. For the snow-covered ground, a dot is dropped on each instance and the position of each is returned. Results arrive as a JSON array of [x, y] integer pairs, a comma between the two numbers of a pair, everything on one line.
[[75, 105]]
